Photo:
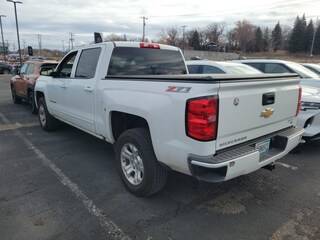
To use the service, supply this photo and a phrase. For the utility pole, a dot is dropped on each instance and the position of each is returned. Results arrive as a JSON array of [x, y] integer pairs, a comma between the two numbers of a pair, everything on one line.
[[313, 38], [71, 40], [63, 50], [3, 46], [183, 37], [40, 43], [144, 18], [24, 47], [17, 26]]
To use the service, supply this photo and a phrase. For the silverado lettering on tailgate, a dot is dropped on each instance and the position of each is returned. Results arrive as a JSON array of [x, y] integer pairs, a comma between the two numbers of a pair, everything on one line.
[[233, 141]]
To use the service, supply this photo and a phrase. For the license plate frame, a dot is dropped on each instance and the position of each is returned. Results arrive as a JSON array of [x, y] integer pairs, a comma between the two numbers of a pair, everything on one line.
[[263, 147]]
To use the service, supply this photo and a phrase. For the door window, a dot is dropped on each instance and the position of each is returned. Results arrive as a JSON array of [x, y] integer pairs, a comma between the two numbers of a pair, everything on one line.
[[276, 68], [211, 69], [65, 67], [87, 63], [194, 69], [23, 69]]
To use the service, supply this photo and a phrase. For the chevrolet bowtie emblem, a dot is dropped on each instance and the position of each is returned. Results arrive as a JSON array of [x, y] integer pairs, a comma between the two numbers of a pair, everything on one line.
[[266, 113]]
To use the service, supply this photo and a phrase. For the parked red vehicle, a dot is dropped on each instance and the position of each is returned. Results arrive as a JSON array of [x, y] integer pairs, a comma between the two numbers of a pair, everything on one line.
[[22, 84]]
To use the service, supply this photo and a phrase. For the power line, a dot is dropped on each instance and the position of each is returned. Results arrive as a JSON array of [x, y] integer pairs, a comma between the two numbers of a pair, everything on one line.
[[39, 43], [183, 37], [71, 40]]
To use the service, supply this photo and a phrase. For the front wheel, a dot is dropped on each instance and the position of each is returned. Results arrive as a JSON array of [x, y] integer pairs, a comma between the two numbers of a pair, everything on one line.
[[16, 99], [47, 121], [32, 102], [137, 164]]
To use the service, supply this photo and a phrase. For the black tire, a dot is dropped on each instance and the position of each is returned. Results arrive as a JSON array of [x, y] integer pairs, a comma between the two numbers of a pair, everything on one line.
[[154, 175], [6, 71], [32, 102], [16, 99], [50, 123]]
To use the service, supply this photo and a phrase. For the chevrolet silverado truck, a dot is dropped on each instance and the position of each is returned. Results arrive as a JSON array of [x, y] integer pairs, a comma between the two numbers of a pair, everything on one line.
[[139, 97]]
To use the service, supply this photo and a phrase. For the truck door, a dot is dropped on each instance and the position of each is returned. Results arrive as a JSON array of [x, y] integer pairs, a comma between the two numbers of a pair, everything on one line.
[[57, 87], [81, 90]]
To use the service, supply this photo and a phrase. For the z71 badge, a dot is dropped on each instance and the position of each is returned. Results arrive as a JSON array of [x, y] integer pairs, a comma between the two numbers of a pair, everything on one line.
[[178, 89]]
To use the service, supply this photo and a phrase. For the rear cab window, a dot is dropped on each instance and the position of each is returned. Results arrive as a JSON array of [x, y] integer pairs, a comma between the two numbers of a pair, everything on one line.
[[145, 61]]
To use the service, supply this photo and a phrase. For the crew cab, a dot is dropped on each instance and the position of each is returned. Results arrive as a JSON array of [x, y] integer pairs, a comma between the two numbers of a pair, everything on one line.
[[23, 82], [139, 97]]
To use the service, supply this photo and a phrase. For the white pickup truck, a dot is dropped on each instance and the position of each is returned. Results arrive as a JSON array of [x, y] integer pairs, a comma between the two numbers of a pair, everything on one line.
[[139, 97]]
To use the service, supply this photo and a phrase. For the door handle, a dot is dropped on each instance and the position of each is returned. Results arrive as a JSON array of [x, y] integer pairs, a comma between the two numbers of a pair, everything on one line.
[[88, 89], [63, 86]]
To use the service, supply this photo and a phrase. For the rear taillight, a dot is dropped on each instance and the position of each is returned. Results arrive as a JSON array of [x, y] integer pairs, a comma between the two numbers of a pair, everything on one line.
[[149, 45], [202, 118], [299, 101]]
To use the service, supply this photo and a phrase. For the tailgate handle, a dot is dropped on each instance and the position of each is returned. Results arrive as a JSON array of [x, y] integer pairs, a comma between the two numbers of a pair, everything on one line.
[[268, 98]]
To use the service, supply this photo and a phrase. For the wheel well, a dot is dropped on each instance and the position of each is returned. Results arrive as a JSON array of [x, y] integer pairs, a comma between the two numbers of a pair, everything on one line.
[[38, 95], [123, 121]]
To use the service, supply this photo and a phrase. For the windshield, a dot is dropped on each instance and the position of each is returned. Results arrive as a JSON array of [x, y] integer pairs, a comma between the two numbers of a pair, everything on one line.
[[146, 61], [302, 71], [240, 69]]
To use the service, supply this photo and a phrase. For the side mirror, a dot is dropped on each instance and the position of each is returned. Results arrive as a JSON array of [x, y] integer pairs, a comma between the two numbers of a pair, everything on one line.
[[54, 74]]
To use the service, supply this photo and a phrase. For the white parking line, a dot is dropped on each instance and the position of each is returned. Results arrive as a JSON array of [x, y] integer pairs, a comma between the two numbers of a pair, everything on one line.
[[294, 168], [111, 229], [9, 126]]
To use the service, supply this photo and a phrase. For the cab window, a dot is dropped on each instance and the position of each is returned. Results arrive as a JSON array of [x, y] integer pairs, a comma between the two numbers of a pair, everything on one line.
[[87, 63], [65, 68]]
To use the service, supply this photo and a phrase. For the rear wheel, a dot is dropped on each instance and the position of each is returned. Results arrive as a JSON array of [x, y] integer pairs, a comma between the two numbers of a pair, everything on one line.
[[6, 71], [47, 121], [137, 164]]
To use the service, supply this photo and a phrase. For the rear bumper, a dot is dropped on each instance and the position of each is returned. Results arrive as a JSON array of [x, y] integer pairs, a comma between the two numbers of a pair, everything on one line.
[[244, 159]]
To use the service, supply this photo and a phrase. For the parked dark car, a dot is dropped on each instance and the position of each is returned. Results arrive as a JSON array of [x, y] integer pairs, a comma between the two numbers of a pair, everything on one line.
[[5, 68]]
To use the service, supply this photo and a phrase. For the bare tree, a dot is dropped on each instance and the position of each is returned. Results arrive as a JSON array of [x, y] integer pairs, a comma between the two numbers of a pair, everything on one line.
[[214, 32], [244, 33], [172, 36]]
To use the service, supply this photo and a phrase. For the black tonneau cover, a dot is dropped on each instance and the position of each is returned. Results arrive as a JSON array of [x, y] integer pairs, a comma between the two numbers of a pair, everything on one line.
[[201, 78]]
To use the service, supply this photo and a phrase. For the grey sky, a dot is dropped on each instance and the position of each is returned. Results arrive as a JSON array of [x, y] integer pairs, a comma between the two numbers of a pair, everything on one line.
[[55, 18]]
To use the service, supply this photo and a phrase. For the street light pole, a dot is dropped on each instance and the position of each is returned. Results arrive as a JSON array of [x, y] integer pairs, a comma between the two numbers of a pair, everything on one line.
[[17, 26], [144, 18], [3, 46], [313, 38]]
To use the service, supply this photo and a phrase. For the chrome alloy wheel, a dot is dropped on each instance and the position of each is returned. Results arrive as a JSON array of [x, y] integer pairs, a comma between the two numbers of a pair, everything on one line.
[[132, 164], [42, 115]]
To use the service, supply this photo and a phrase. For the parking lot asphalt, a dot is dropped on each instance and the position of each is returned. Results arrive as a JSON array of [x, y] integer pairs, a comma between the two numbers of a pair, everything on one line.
[[64, 185]]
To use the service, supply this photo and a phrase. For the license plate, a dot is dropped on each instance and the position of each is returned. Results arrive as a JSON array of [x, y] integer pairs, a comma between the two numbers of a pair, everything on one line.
[[263, 147]]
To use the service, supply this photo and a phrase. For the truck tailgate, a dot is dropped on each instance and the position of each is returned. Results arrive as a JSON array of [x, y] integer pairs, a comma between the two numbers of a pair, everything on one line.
[[251, 108]]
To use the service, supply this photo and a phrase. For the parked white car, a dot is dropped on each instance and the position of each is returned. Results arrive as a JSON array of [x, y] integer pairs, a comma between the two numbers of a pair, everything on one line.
[[213, 67], [310, 82], [309, 116], [139, 97], [313, 67]]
